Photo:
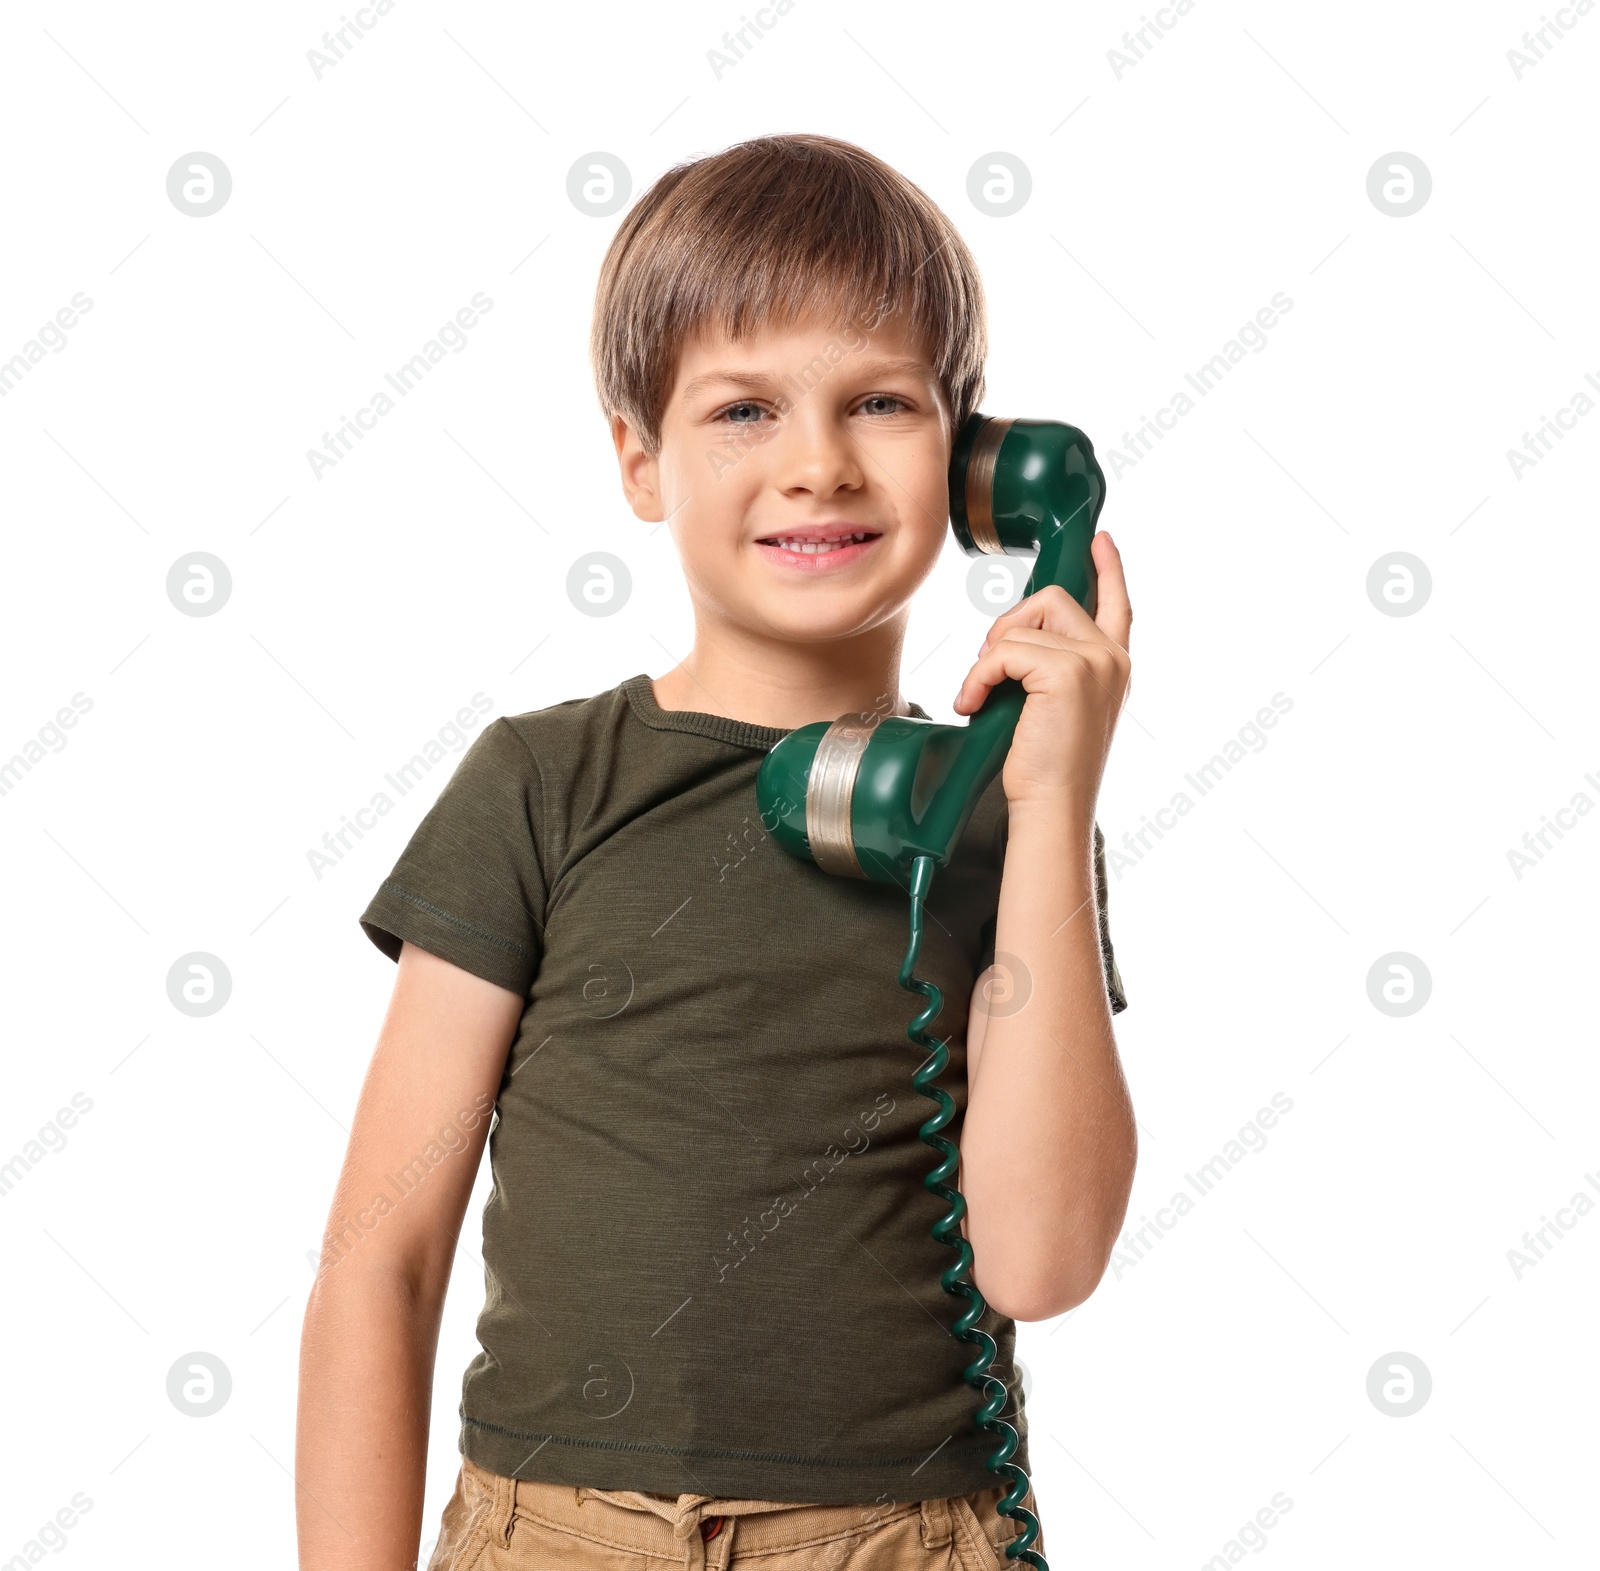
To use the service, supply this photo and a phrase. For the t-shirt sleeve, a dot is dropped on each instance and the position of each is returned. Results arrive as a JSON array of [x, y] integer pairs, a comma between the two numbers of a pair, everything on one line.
[[470, 885], [1114, 991]]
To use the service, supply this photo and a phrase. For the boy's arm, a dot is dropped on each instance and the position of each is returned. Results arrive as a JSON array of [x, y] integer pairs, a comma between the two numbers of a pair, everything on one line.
[[372, 1322], [1049, 1143], [1048, 1140]]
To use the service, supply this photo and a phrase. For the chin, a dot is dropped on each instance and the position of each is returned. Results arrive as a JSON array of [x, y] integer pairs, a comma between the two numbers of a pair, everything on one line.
[[823, 628]]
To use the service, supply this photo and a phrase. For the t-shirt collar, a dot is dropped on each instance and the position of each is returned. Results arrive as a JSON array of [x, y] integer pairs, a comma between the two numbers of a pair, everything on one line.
[[740, 733]]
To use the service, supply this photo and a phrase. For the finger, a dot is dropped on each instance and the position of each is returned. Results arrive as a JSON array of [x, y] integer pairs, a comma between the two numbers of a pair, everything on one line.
[[1051, 607], [1113, 612], [1018, 655], [1026, 651]]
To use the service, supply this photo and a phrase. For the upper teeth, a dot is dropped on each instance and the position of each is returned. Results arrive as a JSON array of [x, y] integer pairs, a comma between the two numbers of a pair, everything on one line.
[[813, 546]]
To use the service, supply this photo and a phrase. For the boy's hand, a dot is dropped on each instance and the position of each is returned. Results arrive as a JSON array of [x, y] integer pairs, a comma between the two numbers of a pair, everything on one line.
[[1075, 669]]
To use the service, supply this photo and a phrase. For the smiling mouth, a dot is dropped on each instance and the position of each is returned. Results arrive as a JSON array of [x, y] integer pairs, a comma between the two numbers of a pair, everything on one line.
[[819, 547]]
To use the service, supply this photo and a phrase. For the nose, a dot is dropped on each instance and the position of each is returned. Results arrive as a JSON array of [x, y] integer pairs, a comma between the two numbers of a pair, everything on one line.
[[816, 455]]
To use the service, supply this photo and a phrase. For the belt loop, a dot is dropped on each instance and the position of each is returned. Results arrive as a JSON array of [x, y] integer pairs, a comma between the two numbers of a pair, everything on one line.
[[935, 1523], [505, 1510]]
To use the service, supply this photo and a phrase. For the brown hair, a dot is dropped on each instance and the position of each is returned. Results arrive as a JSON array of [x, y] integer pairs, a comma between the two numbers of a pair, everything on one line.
[[769, 232]]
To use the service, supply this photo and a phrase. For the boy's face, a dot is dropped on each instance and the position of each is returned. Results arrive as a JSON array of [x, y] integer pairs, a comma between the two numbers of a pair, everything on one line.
[[803, 471]]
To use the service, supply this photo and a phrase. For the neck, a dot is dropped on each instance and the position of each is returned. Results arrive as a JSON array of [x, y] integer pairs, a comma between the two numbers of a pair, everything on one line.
[[787, 684]]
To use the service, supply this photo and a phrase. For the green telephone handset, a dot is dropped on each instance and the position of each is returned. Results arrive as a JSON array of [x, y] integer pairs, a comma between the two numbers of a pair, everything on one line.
[[886, 797]]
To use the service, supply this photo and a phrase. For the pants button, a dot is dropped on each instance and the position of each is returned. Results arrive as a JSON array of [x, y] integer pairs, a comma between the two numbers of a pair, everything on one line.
[[711, 1527]]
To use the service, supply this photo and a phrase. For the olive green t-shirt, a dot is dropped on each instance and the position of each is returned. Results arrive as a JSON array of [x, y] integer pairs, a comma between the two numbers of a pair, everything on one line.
[[709, 1266]]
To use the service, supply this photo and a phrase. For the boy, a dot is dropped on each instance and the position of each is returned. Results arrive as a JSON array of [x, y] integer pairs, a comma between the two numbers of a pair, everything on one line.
[[714, 1328]]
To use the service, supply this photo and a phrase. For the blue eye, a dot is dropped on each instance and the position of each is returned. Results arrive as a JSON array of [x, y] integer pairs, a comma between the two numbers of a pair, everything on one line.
[[730, 413], [882, 398]]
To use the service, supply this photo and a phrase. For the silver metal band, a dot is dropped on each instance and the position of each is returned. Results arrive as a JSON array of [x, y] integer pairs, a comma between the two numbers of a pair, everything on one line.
[[980, 486], [830, 788]]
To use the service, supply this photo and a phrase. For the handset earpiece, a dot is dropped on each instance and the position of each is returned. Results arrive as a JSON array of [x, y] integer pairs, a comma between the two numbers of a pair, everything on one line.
[[866, 795], [1020, 487]]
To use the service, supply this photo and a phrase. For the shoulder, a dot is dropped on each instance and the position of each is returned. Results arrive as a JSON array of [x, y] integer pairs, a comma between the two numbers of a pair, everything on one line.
[[567, 729]]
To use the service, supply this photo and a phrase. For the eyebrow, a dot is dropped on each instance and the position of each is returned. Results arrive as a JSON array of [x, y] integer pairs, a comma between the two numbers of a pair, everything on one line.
[[882, 366]]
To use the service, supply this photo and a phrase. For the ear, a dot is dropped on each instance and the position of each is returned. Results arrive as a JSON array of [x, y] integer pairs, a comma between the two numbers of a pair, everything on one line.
[[641, 474]]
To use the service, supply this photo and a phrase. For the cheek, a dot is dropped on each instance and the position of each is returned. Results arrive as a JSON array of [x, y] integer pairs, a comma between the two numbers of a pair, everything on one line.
[[924, 548], [709, 532], [678, 470], [925, 517], [705, 472], [932, 502]]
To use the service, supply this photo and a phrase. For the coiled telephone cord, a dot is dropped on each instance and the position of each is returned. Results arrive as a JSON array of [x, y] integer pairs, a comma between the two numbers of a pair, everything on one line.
[[947, 1230]]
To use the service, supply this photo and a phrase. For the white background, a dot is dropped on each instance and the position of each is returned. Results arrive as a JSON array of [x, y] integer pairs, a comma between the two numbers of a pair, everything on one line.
[[1169, 204]]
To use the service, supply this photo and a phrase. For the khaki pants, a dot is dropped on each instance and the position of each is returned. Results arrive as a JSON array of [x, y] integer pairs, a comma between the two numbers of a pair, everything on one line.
[[502, 1524]]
